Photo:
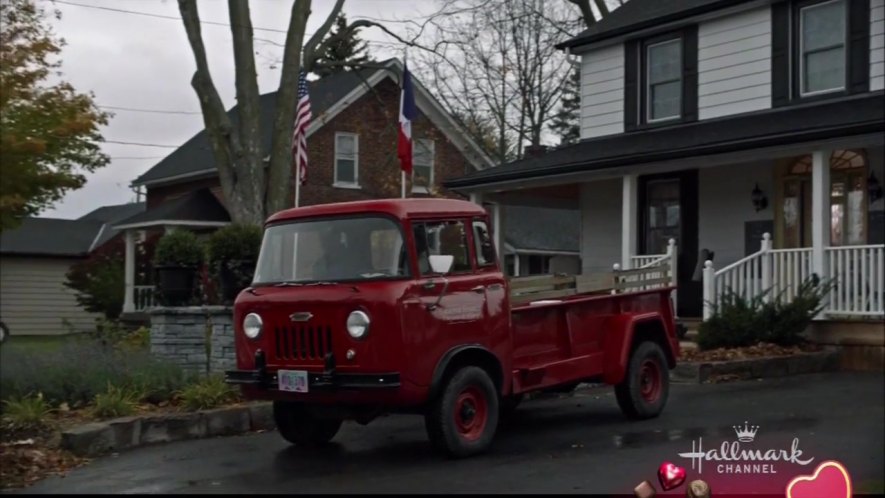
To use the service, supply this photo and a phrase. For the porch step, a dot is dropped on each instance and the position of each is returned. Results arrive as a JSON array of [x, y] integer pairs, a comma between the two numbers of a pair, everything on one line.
[[691, 324]]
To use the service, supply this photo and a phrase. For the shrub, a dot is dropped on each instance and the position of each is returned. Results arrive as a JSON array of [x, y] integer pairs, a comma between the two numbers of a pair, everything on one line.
[[116, 402], [235, 242], [27, 413], [179, 248], [207, 393], [79, 370], [738, 321]]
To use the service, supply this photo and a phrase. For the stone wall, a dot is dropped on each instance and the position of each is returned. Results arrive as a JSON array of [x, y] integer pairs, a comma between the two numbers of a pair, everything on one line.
[[197, 338]]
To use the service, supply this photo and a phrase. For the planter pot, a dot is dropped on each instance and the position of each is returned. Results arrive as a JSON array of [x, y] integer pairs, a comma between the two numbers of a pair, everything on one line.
[[234, 276], [175, 284]]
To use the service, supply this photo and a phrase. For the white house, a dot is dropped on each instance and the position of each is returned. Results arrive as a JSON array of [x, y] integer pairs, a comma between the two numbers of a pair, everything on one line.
[[714, 122]]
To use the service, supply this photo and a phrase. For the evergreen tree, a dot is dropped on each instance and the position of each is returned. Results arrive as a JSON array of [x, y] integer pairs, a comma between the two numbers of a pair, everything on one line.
[[565, 122], [345, 47]]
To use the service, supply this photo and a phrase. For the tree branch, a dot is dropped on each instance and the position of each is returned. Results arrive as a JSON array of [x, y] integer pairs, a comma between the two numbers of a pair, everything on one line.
[[310, 48], [279, 186]]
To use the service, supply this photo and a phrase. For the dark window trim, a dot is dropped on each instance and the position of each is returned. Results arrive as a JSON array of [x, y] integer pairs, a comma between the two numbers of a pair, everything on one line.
[[786, 57], [636, 76]]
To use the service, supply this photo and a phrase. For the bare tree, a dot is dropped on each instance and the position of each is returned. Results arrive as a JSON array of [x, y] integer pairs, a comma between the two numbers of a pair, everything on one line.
[[251, 189]]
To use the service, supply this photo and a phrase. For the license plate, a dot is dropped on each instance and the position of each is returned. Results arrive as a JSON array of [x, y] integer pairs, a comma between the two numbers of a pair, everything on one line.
[[292, 380]]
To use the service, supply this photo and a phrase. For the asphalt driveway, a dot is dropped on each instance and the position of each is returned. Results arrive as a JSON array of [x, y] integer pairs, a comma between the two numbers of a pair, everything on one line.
[[576, 444]]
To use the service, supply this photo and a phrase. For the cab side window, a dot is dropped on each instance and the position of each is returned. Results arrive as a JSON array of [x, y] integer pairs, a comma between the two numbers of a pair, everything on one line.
[[442, 237], [485, 248]]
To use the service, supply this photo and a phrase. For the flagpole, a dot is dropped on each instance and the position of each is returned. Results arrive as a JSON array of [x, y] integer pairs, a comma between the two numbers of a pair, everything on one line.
[[297, 185], [403, 175]]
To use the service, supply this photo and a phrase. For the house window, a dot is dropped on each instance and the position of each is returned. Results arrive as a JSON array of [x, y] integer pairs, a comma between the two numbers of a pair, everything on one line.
[[538, 264], [422, 165], [346, 160], [822, 54], [485, 248], [663, 218], [663, 82]]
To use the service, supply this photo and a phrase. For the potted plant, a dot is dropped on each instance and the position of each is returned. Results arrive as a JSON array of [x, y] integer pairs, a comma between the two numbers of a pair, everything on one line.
[[177, 258], [233, 254]]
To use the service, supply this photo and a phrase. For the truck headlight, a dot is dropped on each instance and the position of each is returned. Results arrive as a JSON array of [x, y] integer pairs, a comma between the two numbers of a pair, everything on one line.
[[252, 325], [357, 324]]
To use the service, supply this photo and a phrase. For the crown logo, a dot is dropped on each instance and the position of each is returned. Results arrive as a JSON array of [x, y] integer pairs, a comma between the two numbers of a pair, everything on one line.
[[747, 433]]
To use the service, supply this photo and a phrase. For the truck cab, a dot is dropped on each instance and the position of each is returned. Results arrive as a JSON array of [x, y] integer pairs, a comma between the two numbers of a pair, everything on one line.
[[363, 308]]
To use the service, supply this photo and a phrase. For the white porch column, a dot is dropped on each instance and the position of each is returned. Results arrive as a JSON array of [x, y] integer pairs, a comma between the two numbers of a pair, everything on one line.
[[629, 207], [820, 210], [516, 265], [498, 229], [129, 279], [476, 198]]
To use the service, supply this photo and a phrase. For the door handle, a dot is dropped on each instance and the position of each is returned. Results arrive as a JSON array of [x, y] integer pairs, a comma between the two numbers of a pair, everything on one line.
[[478, 289]]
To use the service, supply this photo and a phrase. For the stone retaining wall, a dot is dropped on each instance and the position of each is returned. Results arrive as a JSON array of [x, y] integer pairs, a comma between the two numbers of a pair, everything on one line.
[[197, 338]]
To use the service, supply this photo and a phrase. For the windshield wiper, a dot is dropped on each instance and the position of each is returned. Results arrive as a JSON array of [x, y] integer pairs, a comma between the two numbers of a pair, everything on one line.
[[288, 284], [321, 283]]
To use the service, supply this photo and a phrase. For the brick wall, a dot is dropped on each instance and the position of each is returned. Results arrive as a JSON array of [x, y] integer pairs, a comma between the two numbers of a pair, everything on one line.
[[373, 117]]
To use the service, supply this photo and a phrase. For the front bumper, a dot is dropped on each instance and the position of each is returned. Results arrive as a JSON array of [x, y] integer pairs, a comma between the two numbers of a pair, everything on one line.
[[328, 379]]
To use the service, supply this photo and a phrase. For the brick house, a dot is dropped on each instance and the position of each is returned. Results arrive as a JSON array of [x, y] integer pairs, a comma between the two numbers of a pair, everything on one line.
[[352, 143]]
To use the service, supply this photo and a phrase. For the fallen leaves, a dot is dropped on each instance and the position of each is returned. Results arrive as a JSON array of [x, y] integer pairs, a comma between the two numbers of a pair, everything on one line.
[[760, 350], [24, 462]]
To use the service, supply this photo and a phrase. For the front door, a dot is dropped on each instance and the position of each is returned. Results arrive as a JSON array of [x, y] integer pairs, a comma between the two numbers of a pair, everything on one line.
[[669, 209]]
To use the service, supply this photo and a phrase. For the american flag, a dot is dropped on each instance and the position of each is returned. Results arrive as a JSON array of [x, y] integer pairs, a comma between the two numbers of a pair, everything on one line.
[[299, 134]]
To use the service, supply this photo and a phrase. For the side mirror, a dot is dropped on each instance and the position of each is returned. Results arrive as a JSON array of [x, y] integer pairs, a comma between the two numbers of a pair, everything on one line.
[[441, 263]]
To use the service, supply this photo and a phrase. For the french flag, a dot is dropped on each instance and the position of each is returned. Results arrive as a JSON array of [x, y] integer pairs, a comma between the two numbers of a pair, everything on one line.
[[407, 114]]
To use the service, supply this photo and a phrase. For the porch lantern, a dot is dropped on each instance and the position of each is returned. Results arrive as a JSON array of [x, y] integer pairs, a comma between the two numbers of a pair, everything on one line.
[[760, 202], [874, 189]]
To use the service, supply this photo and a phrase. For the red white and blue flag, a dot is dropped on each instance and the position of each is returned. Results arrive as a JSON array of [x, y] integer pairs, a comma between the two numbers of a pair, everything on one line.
[[299, 134], [407, 114]]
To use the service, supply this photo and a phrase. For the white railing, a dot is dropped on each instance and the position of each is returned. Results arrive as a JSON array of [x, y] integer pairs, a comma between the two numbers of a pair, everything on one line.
[[857, 273], [789, 268], [144, 297], [859, 285], [661, 270]]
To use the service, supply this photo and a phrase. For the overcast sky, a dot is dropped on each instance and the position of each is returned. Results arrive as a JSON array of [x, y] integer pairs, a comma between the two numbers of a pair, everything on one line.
[[137, 61]]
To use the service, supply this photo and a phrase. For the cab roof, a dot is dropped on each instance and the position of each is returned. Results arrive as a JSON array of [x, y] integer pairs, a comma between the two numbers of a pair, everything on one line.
[[400, 208]]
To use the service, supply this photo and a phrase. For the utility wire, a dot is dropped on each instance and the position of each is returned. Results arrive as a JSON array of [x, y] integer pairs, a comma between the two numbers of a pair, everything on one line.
[[156, 111], [141, 144]]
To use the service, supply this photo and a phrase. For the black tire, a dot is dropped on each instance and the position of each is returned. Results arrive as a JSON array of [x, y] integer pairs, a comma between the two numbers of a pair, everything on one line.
[[463, 419], [298, 425], [646, 385]]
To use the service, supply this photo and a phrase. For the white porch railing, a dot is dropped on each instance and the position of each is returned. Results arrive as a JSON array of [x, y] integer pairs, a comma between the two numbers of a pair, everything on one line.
[[144, 297], [856, 271], [660, 270], [643, 260], [859, 283]]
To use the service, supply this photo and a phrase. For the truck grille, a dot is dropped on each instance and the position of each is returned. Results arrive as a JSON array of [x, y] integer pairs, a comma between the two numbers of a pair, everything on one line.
[[303, 342]]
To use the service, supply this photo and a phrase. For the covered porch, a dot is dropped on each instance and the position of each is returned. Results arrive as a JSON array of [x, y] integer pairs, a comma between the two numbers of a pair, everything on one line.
[[199, 211], [746, 220]]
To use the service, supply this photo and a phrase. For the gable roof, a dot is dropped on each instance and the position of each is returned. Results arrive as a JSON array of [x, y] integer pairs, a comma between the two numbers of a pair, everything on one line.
[[62, 237], [197, 208], [50, 237], [528, 229], [328, 97], [634, 15]]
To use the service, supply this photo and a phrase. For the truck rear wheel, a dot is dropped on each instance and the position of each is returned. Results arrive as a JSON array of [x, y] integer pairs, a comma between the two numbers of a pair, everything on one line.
[[298, 425], [646, 385], [463, 419]]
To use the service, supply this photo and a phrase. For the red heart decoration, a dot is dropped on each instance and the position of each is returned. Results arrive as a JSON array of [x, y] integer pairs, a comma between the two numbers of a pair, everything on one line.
[[830, 480], [670, 476]]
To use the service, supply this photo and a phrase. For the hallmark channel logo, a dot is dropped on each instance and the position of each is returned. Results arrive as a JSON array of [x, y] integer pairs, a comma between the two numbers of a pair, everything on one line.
[[731, 458]]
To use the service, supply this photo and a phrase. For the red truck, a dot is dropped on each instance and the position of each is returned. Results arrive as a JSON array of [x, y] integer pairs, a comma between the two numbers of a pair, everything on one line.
[[400, 306]]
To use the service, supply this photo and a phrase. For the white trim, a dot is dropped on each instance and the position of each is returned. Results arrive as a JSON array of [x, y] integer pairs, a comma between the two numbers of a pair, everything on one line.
[[647, 84], [417, 188], [355, 184], [97, 236], [540, 252], [181, 223], [845, 55]]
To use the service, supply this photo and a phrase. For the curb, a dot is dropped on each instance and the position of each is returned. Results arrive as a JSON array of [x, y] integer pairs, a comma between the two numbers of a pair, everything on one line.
[[756, 368], [123, 433]]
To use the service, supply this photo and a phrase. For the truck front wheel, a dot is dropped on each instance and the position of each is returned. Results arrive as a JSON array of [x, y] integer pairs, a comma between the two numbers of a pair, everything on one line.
[[298, 425], [646, 385], [463, 419]]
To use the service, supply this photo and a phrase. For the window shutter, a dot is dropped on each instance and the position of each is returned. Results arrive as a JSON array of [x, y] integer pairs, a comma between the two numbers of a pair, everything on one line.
[[780, 54], [690, 74], [631, 85], [858, 46]]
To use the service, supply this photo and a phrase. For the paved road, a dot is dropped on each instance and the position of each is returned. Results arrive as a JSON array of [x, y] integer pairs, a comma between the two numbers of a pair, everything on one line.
[[577, 444]]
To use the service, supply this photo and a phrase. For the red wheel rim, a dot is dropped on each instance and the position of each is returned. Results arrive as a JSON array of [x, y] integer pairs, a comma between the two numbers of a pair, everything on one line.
[[650, 381], [471, 413]]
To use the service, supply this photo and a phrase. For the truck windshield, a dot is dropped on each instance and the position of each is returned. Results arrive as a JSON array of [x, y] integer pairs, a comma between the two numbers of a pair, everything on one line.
[[332, 250]]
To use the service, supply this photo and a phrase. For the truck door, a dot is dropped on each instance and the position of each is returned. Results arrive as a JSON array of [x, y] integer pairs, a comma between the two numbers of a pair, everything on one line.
[[443, 311], [491, 279]]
